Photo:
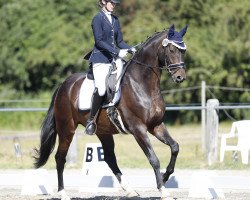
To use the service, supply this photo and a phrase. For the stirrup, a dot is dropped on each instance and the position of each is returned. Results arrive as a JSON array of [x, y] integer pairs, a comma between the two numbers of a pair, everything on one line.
[[91, 127]]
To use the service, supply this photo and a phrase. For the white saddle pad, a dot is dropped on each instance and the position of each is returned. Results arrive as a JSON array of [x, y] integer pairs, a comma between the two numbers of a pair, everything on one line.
[[86, 92]]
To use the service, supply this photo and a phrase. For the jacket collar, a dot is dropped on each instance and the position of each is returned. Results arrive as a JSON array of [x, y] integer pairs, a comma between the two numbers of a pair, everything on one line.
[[106, 18]]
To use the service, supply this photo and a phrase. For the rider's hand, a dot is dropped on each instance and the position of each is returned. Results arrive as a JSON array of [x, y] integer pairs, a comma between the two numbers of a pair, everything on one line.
[[123, 53], [133, 49]]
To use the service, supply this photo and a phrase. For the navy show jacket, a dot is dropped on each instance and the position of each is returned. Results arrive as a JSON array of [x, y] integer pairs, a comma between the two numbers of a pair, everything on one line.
[[107, 36]]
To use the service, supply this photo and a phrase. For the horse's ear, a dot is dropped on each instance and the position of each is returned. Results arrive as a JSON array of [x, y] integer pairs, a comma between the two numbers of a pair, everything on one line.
[[171, 31], [183, 31]]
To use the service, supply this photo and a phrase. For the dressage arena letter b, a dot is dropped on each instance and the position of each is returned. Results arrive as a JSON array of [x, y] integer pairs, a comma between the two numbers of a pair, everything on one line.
[[93, 161], [89, 154], [100, 154]]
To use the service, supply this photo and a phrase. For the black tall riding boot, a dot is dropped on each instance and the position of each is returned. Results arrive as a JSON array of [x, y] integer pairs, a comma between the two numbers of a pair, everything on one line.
[[96, 104]]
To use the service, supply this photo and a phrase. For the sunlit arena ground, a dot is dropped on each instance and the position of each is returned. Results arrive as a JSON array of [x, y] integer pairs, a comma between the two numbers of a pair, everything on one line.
[[73, 187]]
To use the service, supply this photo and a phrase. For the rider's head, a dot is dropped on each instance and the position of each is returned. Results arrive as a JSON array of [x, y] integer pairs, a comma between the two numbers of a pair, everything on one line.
[[108, 5]]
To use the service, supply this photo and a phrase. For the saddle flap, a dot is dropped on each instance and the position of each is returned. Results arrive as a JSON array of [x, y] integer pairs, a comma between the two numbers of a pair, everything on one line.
[[90, 74]]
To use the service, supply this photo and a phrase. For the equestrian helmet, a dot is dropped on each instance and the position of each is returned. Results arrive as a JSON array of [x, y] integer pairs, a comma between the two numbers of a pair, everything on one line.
[[113, 1]]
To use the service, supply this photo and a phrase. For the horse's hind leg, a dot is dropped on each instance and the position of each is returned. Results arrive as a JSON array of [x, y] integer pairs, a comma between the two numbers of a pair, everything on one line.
[[161, 133], [110, 158], [65, 133]]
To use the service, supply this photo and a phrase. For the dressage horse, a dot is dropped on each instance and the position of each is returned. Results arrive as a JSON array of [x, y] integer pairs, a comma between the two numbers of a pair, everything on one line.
[[141, 107]]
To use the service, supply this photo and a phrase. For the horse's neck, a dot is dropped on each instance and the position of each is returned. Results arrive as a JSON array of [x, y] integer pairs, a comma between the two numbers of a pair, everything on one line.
[[144, 75]]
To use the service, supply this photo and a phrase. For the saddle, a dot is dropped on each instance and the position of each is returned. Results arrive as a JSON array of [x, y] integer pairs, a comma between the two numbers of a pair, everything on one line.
[[111, 82]]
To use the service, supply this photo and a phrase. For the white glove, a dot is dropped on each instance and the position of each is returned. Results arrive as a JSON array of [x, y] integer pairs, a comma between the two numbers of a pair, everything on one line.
[[133, 49], [123, 53]]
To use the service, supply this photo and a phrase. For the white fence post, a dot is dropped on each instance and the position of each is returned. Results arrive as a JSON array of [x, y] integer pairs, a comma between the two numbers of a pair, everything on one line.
[[212, 131], [203, 116]]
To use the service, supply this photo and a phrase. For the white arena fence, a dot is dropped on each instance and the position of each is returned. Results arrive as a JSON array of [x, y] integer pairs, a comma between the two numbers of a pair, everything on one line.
[[168, 108]]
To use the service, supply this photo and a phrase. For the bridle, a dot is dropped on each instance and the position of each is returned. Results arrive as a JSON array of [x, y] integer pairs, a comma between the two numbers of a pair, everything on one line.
[[171, 68]]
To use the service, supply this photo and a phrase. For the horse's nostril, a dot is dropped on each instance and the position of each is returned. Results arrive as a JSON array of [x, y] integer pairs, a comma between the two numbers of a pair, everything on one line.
[[179, 78]]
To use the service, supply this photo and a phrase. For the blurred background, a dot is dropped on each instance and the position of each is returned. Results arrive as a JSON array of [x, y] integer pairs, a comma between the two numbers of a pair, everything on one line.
[[43, 42]]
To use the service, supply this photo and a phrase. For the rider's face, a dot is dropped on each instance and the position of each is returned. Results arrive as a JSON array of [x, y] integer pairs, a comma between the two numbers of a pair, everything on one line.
[[109, 6]]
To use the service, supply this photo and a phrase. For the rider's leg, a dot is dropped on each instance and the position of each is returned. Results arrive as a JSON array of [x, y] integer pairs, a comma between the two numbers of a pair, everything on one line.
[[96, 104], [100, 72], [119, 66]]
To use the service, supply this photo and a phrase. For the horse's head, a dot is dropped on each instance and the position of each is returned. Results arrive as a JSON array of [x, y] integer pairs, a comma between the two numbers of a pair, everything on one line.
[[172, 54]]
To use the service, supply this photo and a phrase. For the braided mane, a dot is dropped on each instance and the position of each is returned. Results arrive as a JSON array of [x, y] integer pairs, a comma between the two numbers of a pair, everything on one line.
[[152, 37]]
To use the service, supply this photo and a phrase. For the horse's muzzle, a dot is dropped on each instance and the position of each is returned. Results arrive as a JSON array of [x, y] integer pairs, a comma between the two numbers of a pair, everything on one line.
[[179, 79]]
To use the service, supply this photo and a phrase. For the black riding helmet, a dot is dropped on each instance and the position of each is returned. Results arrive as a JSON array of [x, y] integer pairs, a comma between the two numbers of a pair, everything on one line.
[[113, 1]]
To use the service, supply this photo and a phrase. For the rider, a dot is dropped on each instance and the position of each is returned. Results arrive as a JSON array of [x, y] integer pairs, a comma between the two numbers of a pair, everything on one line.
[[107, 35]]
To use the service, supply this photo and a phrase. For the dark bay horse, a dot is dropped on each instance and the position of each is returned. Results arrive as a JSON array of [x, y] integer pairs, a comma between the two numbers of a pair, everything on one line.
[[141, 108]]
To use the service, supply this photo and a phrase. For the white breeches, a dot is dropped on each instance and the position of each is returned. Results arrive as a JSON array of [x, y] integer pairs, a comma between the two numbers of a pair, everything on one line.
[[101, 70]]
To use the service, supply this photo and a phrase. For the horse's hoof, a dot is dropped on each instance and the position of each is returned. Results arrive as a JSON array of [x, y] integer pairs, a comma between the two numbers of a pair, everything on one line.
[[65, 198], [132, 194], [63, 195], [166, 198], [165, 195]]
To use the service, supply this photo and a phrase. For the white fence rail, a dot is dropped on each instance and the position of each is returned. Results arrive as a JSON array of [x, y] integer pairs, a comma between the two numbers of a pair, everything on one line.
[[168, 108], [209, 133], [23, 109]]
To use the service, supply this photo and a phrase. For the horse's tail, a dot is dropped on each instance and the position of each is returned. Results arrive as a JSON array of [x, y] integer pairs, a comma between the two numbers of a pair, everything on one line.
[[47, 137]]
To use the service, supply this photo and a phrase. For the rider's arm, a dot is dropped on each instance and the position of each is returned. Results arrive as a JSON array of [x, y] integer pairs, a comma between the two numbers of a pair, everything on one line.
[[120, 43]]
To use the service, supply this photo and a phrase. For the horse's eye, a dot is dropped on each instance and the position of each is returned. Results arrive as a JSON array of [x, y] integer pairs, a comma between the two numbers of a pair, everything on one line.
[[171, 49]]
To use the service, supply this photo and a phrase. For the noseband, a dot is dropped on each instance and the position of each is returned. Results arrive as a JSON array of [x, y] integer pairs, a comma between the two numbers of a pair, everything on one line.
[[175, 66]]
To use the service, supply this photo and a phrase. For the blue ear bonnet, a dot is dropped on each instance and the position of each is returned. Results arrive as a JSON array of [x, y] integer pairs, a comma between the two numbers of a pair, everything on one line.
[[175, 38]]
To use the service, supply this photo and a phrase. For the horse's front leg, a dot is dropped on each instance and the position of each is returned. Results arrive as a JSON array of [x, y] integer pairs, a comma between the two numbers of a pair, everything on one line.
[[108, 146], [142, 139], [161, 133]]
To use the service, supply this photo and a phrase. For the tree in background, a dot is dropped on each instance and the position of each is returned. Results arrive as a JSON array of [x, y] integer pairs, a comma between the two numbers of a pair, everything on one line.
[[43, 42]]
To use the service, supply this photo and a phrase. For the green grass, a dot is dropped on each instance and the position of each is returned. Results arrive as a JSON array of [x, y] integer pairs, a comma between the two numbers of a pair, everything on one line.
[[129, 154], [20, 121]]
